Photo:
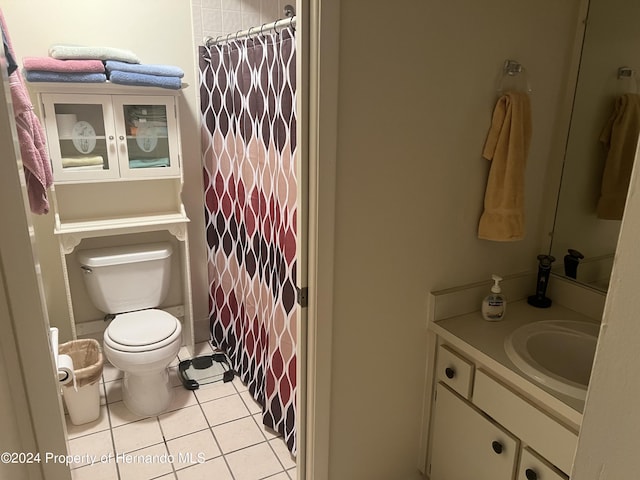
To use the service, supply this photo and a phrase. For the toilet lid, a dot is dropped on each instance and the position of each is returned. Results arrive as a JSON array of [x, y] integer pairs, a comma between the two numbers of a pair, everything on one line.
[[144, 327]]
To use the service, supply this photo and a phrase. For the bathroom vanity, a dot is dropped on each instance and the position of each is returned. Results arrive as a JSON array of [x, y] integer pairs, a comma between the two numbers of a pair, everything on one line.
[[484, 417], [116, 158]]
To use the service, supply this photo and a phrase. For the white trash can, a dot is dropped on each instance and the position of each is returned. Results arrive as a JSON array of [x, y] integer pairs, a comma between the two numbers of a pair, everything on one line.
[[83, 399]]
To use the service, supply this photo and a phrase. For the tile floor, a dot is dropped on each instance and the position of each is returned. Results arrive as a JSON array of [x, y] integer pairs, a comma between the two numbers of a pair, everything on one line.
[[214, 432]]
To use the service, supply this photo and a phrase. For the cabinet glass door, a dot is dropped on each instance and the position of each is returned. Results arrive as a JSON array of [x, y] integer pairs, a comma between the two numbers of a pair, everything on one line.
[[148, 126], [80, 136]]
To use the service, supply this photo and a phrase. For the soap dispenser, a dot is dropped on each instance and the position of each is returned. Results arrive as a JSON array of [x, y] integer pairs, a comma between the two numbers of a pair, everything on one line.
[[494, 304]]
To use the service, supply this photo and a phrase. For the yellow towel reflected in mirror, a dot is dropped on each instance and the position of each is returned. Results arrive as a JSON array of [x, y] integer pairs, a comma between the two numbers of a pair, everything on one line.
[[620, 138]]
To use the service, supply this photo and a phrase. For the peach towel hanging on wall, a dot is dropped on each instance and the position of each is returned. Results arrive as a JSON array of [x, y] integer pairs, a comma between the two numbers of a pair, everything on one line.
[[507, 146]]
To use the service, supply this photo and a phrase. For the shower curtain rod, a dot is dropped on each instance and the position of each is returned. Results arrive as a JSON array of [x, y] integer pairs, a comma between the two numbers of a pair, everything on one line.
[[283, 22]]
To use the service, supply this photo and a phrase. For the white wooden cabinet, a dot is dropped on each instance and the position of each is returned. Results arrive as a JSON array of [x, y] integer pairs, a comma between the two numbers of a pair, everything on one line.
[[481, 429], [116, 158], [111, 137], [467, 444]]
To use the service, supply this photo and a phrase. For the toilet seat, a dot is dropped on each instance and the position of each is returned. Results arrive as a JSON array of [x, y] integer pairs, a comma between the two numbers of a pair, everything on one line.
[[142, 331]]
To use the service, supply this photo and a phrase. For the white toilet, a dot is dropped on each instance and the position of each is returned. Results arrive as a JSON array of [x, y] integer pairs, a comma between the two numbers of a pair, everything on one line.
[[129, 281]]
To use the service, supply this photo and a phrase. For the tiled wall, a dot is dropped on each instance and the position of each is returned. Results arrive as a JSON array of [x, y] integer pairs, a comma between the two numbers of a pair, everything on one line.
[[220, 17]]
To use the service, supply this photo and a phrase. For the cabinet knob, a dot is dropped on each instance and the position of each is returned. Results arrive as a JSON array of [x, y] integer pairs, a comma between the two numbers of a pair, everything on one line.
[[449, 372], [530, 474], [121, 137], [111, 137], [497, 447]]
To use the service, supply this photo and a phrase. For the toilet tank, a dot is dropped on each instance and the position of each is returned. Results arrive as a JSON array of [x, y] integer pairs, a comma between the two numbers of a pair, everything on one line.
[[127, 278]]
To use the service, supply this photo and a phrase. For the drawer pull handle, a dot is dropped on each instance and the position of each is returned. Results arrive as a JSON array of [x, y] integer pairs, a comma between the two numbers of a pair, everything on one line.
[[497, 447], [449, 372], [530, 474]]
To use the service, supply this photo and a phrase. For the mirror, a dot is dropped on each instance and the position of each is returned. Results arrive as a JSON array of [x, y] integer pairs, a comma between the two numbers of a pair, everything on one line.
[[610, 42]]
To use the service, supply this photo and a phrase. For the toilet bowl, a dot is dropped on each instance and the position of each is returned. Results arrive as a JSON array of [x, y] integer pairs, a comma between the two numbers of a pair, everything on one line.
[[141, 340], [142, 344]]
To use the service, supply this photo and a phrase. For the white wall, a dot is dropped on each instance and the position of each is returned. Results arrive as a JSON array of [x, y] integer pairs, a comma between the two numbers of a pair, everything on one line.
[[417, 86], [158, 31], [608, 442]]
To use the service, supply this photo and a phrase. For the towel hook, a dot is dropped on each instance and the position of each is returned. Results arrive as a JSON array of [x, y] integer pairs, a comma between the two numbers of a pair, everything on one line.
[[511, 67], [625, 72], [628, 74], [511, 72]]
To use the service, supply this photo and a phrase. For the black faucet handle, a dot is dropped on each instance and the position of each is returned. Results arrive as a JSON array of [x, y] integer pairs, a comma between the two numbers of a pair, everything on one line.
[[546, 260], [575, 254]]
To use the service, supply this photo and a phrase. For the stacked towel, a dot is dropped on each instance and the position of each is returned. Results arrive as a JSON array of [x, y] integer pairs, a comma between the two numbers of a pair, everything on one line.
[[48, 64], [46, 69], [42, 76], [82, 161], [77, 52], [74, 63], [146, 69], [164, 76], [149, 162]]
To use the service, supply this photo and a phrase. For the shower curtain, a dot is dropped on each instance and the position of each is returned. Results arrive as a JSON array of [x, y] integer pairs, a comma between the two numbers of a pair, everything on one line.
[[248, 96]]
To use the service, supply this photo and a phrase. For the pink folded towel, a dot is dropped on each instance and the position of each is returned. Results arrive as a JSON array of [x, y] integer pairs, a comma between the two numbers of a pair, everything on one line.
[[49, 64]]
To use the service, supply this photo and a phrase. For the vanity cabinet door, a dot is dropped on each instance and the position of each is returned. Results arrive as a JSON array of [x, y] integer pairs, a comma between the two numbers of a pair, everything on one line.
[[81, 137], [466, 444], [147, 132]]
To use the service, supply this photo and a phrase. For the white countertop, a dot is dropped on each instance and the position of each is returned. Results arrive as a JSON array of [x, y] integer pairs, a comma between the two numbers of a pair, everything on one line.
[[484, 342]]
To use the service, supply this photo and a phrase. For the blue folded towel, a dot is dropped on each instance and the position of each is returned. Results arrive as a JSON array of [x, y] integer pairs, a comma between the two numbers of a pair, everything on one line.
[[149, 162], [147, 69], [80, 77], [129, 78]]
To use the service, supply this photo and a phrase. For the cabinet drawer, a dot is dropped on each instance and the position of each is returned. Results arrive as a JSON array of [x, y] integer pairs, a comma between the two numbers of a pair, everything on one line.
[[545, 435], [532, 467], [454, 370]]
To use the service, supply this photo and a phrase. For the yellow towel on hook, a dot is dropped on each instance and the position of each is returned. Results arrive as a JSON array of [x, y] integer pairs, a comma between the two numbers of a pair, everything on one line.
[[620, 137], [507, 147]]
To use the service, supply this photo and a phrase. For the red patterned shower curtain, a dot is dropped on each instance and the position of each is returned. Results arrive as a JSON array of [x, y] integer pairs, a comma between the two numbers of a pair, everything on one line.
[[248, 90]]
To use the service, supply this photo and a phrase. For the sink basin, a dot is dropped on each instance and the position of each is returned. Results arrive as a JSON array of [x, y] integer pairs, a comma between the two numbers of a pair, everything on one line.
[[555, 353]]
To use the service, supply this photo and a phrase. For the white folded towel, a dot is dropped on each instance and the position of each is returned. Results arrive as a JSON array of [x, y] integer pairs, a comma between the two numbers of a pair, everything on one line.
[[78, 52], [82, 161]]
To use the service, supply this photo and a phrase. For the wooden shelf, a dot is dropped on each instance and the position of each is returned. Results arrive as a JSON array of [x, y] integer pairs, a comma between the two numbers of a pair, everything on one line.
[[132, 223]]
